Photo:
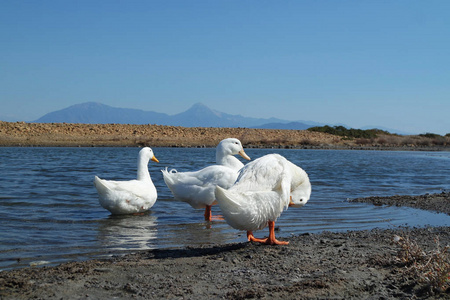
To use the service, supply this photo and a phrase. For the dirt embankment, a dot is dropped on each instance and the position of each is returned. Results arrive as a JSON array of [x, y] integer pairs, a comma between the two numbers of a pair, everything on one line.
[[122, 135], [62, 134]]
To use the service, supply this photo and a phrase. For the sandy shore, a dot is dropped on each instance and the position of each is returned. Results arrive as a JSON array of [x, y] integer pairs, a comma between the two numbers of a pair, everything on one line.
[[351, 265]]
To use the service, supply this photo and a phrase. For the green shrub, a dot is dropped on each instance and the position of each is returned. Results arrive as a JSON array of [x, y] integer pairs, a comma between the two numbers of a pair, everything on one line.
[[349, 133], [430, 135]]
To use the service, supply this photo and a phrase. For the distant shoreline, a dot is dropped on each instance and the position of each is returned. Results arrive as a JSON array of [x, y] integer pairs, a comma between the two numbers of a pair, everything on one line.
[[21, 134]]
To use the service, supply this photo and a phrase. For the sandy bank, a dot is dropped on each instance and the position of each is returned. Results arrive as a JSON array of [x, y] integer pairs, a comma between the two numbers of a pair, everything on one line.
[[85, 135], [121, 135]]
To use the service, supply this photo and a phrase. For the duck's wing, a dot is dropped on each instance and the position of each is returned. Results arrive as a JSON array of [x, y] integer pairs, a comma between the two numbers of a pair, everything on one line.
[[261, 174], [270, 173], [125, 196], [135, 187], [263, 186], [197, 188]]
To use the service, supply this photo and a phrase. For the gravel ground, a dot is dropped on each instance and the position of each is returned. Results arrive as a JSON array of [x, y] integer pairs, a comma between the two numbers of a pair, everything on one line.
[[376, 264]]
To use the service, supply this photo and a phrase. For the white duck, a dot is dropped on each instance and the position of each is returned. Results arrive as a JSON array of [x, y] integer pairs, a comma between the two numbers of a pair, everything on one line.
[[264, 188], [197, 188], [133, 196]]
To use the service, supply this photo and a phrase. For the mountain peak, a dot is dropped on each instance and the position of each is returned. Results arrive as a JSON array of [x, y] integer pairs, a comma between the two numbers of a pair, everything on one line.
[[88, 105], [199, 104], [199, 107]]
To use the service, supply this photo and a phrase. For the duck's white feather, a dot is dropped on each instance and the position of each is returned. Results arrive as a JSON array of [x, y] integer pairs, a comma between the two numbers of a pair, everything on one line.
[[262, 191], [197, 187], [248, 210], [132, 196]]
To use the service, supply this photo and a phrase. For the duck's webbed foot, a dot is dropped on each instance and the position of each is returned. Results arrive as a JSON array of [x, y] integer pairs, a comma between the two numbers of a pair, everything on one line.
[[271, 240]]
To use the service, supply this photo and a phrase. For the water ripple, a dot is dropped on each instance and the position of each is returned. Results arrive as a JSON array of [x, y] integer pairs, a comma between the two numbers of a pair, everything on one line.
[[49, 208]]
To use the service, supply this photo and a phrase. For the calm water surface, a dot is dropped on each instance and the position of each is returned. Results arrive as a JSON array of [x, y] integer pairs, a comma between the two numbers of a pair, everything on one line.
[[49, 210]]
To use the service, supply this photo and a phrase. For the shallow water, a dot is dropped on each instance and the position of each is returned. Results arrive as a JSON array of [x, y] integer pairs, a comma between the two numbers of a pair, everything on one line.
[[49, 211]]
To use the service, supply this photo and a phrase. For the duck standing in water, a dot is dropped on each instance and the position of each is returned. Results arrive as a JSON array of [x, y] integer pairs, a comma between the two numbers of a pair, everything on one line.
[[132, 196], [265, 187], [197, 188]]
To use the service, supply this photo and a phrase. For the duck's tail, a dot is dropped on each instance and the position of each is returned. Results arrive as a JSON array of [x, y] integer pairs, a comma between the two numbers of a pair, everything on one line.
[[167, 175], [230, 207], [101, 186], [235, 209], [227, 200]]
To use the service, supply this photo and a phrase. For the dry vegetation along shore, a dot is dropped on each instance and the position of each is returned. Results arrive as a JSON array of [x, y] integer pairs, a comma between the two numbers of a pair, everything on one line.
[[87, 135]]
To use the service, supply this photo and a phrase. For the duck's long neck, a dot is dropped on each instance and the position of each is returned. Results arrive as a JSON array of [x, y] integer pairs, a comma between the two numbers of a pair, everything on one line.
[[228, 161], [142, 169]]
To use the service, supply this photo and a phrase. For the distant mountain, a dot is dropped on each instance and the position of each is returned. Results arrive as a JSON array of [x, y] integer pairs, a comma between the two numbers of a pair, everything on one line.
[[199, 115], [97, 113]]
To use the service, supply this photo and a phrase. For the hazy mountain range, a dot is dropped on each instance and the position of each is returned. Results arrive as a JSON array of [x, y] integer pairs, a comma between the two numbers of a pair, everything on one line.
[[199, 115]]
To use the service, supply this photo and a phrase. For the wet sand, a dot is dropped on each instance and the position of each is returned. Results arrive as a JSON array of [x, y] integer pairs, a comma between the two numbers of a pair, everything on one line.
[[349, 265]]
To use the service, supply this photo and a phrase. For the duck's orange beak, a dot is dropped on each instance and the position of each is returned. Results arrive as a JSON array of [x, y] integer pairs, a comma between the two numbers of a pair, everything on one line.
[[291, 203], [244, 155]]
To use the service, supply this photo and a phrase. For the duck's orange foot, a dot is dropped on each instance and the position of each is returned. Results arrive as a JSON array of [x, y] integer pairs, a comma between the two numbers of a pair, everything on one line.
[[271, 240], [207, 215], [276, 242], [217, 218], [267, 241], [251, 238]]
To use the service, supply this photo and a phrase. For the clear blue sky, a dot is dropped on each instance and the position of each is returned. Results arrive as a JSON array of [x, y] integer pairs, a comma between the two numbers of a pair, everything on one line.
[[384, 63]]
